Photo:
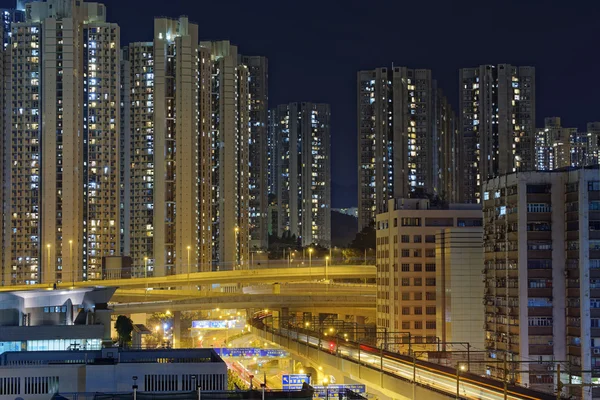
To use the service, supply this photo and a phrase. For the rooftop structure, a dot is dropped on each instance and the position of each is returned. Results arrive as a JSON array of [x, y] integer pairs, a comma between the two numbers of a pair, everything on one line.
[[55, 319]]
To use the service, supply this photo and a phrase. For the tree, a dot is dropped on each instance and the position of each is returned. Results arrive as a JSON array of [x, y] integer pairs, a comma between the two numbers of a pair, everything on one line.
[[365, 239], [124, 327]]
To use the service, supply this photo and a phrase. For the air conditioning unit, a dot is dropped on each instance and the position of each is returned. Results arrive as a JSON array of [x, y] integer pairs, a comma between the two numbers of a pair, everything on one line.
[[551, 343], [510, 310], [551, 368], [596, 351]]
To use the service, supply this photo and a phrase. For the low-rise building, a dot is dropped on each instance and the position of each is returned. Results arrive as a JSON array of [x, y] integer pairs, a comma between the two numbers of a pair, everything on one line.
[[39, 375], [55, 319], [407, 277]]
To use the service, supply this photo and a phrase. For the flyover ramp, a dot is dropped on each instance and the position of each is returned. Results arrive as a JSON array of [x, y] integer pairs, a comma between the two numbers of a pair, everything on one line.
[[245, 276], [342, 303]]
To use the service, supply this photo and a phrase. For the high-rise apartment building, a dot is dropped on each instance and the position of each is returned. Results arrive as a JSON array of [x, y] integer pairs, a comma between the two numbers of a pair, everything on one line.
[[230, 130], [593, 143], [302, 171], [497, 123], [166, 151], [407, 267], [559, 147], [542, 275], [402, 119], [258, 150], [63, 205]]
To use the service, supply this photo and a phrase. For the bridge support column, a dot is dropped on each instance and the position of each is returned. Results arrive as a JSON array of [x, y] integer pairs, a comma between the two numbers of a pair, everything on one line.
[[359, 321], [284, 313], [176, 329]]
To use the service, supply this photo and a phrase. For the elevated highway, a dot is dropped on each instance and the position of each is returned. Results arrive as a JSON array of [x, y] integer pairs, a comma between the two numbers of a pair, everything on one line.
[[341, 302], [245, 276]]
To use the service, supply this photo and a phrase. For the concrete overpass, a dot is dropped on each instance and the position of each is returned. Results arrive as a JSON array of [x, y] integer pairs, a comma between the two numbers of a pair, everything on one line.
[[342, 303], [246, 276]]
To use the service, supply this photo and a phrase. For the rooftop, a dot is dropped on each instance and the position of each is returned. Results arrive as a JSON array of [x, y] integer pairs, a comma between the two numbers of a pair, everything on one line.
[[110, 356]]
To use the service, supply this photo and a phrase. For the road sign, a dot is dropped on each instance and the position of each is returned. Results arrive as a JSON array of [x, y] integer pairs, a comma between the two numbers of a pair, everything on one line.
[[333, 390], [251, 352], [336, 389], [294, 381]]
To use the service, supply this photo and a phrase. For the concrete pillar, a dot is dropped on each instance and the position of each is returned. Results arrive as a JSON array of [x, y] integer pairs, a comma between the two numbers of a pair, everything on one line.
[[176, 329]]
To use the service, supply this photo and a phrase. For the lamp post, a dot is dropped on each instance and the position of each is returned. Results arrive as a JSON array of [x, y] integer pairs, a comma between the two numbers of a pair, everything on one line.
[[326, 268], [145, 267], [326, 386], [71, 260], [310, 251], [48, 247], [459, 368], [135, 387], [235, 257]]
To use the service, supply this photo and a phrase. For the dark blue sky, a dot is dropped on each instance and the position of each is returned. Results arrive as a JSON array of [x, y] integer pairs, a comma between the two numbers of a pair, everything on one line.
[[315, 49]]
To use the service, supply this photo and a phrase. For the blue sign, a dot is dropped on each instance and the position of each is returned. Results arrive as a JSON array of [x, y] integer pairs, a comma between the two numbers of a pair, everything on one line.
[[332, 390], [251, 352], [294, 380], [213, 324]]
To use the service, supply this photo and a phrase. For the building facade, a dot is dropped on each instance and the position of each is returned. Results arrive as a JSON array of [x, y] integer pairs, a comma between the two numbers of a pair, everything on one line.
[[407, 267], [593, 143], [402, 119], [558, 147], [302, 168], [166, 151], [63, 204], [230, 134], [40, 375], [542, 255], [44, 320], [497, 123], [258, 87], [460, 313]]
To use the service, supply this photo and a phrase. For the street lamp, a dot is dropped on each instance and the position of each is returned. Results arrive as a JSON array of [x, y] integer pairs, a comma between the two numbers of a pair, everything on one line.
[[48, 247], [310, 251], [145, 267], [459, 367], [325, 385], [188, 249], [135, 387], [326, 266]]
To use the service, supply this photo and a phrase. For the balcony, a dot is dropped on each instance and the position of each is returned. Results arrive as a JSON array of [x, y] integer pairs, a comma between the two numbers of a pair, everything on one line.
[[539, 235], [539, 273], [573, 331], [539, 311], [540, 350], [539, 216], [574, 351], [573, 312], [539, 292], [540, 330]]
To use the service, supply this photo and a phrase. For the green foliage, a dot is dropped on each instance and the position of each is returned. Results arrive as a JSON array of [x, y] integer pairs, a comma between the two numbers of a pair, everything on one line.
[[234, 380], [124, 327], [365, 239]]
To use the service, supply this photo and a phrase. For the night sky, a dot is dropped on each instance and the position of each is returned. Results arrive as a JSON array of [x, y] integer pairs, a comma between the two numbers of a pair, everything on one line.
[[315, 49]]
